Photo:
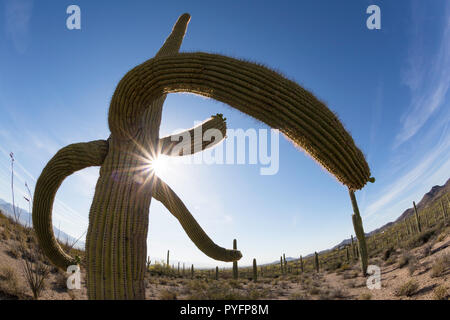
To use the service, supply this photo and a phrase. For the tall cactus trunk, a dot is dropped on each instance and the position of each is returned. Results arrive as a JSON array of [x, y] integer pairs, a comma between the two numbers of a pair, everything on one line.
[[301, 264], [116, 241], [416, 215], [359, 231], [235, 264]]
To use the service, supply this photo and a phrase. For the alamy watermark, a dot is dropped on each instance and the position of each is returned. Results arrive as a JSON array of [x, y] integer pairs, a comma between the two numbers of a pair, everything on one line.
[[238, 147], [374, 280]]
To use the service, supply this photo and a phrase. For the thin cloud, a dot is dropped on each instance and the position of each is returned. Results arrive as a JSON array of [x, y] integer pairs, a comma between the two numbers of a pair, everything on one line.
[[429, 86], [17, 22]]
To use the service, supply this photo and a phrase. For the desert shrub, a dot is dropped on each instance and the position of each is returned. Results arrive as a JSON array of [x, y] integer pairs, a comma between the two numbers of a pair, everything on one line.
[[391, 260], [298, 295], [404, 259], [9, 281], [440, 293], [420, 238], [408, 289], [337, 293], [440, 266], [387, 253], [413, 265], [168, 295], [365, 296], [215, 290], [426, 251], [313, 291], [441, 236]]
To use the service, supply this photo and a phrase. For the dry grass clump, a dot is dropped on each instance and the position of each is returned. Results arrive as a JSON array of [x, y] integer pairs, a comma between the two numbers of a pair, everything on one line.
[[440, 293], [365, 296], [9, 282], [168, 294], [440, 266], [408, 289]]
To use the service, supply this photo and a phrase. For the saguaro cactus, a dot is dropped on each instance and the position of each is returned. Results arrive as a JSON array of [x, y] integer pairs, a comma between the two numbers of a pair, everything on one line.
[[316, 261], [360, 235], [416, 215], [255, 270], [281, 265], [301, 263], [217, 273], [192, 271], [235, 264], [167, 264], [118, 219]]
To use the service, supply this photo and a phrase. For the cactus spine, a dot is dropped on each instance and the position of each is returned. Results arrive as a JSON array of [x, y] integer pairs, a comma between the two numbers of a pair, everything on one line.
[[255, 270], [359, 231], [116, 241], [416, 214], [235, 264]]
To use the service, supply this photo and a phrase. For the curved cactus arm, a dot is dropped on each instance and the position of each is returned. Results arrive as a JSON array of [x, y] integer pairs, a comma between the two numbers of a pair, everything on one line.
[[163, 193], [66, 161], [254, 90], [192, 140]]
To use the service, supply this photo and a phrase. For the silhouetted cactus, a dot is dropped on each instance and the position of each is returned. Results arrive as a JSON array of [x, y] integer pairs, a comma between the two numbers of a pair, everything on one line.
[[316, 261], [235, 264], [118, 220], [359, 231], [416, 215], [255, 270], [281, 265], [192, 272], [167, 264], [217, 273]]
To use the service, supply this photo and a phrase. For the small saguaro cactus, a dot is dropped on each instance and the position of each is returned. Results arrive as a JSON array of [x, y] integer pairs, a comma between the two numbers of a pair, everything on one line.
[[217, 273], [116, 241], [235, 264], [281, 265], [255, 270], [416, 215], [178, 272], [348, 254], [316, 261], [167, 264], [285, 263], [192, 272], [444, 216], [301, 264]]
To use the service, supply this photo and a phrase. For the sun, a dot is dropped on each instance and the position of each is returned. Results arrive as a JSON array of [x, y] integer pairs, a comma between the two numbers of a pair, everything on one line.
[[159, 165]]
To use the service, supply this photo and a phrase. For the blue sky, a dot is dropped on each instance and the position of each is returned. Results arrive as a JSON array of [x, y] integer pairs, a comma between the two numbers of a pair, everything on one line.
[[389, 88]]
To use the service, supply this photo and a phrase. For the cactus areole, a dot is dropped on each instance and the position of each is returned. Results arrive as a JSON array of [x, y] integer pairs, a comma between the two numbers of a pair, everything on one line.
[[118, 219]]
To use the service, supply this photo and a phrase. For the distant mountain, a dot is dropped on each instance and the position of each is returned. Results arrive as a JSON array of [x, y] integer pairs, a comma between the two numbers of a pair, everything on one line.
[[26, 220], [428, 199]]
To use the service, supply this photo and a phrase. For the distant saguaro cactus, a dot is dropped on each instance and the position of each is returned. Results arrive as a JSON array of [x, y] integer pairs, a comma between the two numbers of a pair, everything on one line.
[[281, 265], [316, 261], [255, 270], [167, 264], [217, 273], [416, 215], [192, 272], [301, 263], [116, 242], [235, 264]]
